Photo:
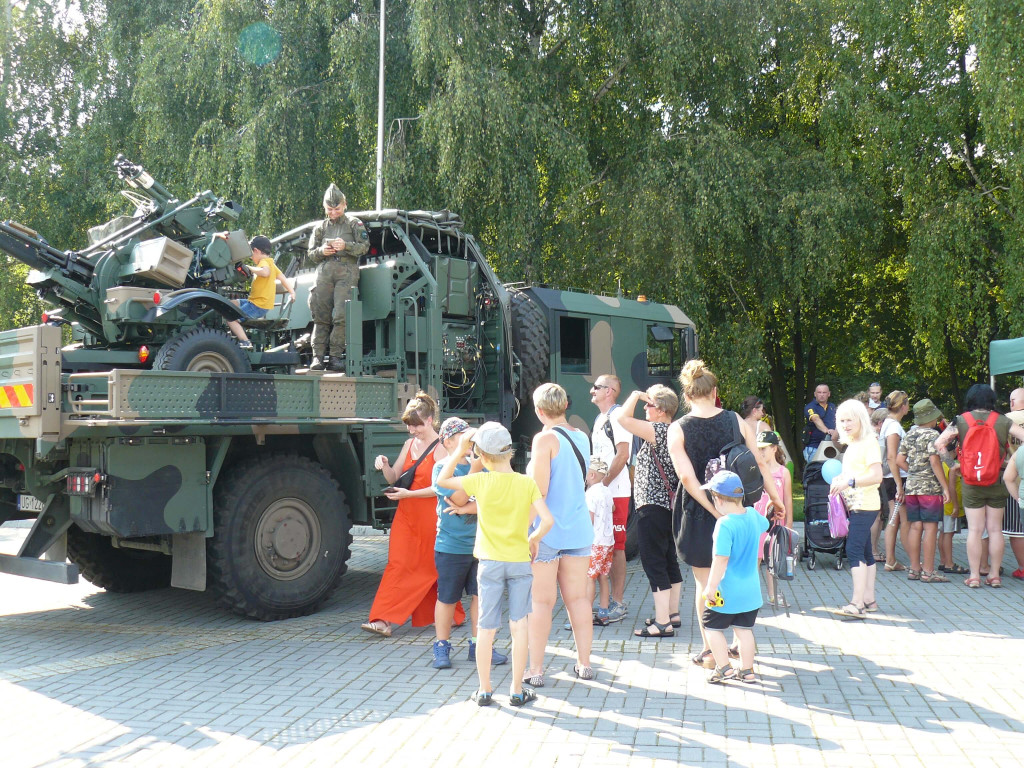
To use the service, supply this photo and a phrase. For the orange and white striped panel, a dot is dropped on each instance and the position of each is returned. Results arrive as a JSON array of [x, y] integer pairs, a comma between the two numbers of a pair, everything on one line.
[[16, 396]]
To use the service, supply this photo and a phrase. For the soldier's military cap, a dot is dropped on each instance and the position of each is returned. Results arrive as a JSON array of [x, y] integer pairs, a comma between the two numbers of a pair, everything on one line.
[[333, 197]]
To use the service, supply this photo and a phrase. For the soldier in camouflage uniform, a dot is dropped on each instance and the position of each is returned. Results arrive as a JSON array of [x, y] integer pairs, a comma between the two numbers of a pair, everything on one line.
[[335, 246]]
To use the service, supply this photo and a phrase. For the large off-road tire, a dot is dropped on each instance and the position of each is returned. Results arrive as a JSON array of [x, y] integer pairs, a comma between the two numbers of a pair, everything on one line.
[[117, 570], [282, 538], [202, 349], [532, 339]]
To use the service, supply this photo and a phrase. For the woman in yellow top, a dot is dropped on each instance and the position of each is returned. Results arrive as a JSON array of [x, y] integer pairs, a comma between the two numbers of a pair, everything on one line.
[[858, 482], [262, 292]]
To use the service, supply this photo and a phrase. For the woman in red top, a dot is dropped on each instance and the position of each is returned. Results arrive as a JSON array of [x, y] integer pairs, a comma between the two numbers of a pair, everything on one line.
[[408, 587]]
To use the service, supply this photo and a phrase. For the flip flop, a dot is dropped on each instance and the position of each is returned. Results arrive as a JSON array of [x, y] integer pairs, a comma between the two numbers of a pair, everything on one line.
[[850, 611]]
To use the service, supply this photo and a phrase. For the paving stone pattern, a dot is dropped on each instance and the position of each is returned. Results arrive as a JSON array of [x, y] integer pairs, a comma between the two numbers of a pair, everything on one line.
[[169, 679]]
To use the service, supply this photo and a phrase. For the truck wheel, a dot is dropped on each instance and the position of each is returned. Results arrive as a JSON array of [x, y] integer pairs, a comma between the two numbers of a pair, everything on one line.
[[532, 340], [282, 538], [117, 570], [202, 349]]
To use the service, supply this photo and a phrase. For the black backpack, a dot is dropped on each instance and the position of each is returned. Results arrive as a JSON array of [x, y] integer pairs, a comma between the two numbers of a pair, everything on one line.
[[737, 457], [780, 556]]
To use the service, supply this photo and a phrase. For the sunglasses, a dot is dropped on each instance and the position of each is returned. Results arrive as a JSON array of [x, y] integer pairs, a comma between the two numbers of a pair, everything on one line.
[[650, 405], [599, 386]]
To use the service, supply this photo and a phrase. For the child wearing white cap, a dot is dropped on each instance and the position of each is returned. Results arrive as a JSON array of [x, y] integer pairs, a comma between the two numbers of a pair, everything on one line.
[[507, 502]]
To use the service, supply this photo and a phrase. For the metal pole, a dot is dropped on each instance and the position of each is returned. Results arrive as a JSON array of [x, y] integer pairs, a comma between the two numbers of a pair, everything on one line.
[[380, 116]]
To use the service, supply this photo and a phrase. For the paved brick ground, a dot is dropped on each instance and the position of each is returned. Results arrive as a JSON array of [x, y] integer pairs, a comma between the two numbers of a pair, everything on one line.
[[169, 679]]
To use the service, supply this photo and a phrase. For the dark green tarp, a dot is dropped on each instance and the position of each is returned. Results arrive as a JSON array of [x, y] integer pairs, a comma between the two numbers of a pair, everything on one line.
[[1006, 356]]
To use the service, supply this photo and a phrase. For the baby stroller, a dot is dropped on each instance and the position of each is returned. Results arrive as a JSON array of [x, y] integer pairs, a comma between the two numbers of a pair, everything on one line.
[[817, 538]]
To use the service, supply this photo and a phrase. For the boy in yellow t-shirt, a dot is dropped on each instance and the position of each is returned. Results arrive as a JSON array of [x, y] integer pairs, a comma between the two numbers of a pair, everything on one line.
[[262, 292], [507, 503]]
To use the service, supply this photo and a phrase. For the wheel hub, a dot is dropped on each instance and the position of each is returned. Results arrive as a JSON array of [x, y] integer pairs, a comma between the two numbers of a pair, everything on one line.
[[287, 539], [210, 362]]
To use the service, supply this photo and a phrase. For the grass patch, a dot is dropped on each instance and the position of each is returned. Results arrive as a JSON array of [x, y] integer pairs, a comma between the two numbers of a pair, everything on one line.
[[798, 502]]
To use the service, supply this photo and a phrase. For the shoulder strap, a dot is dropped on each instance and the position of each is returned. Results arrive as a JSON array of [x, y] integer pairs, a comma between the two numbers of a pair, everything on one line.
[[579, 456], [736, 433], [430, 449], [969, 419]]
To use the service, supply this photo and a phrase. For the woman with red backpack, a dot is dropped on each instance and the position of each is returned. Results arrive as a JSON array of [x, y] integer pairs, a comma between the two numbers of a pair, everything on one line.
[[982, 435]]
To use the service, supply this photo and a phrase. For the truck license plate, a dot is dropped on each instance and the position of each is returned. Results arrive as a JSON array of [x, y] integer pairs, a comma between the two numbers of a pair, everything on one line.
[[28, 503]]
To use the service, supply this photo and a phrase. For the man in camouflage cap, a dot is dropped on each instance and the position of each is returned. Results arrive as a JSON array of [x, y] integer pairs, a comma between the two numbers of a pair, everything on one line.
[[335, 246]]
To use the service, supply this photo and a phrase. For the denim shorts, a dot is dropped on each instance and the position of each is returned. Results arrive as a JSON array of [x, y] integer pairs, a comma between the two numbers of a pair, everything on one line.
[[493, 578], [251, 311], [923, 508], [455, 574], [546, 554]]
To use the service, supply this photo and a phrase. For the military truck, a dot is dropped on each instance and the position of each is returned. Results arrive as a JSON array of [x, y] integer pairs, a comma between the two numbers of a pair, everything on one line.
[[247, 483]]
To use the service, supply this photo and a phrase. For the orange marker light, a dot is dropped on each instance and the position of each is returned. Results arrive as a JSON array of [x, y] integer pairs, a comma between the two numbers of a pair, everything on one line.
[[143, 354], [156, 297]]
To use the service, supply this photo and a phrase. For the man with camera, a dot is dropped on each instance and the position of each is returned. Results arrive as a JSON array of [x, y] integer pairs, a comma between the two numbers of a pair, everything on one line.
[[335, 246]]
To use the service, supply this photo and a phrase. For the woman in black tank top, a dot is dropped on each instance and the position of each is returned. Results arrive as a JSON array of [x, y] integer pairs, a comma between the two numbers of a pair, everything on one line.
[[694, 440]]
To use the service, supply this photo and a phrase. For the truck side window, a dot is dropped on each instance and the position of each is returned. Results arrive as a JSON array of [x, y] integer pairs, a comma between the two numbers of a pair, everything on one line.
[[574, 343], [663, 347]]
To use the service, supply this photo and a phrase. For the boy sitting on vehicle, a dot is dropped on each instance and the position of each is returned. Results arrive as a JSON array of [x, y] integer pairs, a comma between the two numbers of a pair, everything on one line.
[[507, 503], [261, 294]]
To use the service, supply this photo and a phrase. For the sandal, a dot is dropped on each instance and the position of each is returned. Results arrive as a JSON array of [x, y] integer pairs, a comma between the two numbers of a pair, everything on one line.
[[973, 583], [931, 577], [585, 673], [746, 676], [734, 651], [850, 611], [722, 674], [377, 627], [522, 699], [957, 569], [871, 607], [994, 581], [895, 566], [704, 658], [913, 575], [673, 619], [534, 681], [483, 698], [664, 630]]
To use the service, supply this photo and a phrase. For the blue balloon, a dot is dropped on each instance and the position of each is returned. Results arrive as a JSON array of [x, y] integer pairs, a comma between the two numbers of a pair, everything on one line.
[[831, 469]]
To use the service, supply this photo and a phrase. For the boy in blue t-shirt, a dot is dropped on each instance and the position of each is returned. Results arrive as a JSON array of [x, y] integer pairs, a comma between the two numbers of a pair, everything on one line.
[[453, 552], [732, 596]]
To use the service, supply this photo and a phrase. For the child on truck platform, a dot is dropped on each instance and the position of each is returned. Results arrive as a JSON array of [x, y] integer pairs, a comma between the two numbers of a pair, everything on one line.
[[733, 578], [507, 503]]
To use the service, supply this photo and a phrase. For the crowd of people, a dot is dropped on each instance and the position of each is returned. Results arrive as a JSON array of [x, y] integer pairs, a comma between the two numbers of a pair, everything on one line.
[[469, 524]]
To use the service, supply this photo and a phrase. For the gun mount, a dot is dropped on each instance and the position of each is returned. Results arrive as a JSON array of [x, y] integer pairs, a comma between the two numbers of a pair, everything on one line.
[[111, 291]]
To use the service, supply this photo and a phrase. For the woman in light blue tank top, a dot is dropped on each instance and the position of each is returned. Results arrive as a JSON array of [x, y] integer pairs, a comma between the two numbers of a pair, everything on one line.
[[560, 456]]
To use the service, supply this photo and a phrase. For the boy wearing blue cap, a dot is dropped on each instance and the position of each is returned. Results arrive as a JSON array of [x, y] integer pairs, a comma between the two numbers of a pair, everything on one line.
[[732, 596]]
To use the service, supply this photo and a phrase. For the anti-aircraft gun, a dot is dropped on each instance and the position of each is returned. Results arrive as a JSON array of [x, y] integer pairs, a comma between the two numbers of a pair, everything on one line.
[[145, 291]]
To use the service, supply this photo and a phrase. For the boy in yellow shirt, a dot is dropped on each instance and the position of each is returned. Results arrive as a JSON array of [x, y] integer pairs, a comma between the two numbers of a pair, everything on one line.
[[262, 292], [507, 503]]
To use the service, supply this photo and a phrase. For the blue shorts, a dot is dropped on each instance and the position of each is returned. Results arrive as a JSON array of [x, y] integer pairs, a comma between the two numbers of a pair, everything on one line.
[[924, 509], [493, 578], [251, 311], [546, 554], [455, 574]]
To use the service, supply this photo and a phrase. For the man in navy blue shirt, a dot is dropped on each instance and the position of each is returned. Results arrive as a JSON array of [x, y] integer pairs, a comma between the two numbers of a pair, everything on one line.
[[821, 420]]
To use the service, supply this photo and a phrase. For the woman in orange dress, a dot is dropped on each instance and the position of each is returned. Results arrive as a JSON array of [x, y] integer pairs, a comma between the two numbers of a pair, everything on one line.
[[408, 587]]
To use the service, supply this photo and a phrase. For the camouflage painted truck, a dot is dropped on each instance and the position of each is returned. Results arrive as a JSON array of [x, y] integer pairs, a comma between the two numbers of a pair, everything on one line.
[[247, 483]]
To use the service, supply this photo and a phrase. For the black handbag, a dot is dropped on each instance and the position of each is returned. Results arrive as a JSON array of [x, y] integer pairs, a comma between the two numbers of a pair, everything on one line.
[[405, 479]]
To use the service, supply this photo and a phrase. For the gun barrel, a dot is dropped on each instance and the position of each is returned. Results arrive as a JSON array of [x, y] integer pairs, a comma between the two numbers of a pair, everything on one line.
[[135, 176], [16, 240]]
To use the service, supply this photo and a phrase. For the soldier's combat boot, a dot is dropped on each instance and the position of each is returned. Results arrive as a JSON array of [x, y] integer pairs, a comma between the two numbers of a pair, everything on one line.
[[336, 363], [317, 364]]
